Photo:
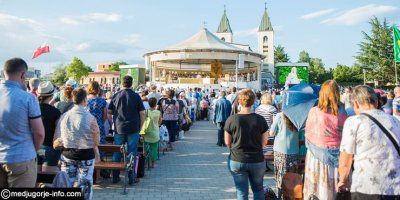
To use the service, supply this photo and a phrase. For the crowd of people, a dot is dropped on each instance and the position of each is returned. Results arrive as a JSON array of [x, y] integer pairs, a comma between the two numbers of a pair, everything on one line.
[[350, 140]]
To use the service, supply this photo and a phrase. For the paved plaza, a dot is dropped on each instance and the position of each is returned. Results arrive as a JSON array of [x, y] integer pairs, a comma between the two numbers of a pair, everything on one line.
[[196, 169]]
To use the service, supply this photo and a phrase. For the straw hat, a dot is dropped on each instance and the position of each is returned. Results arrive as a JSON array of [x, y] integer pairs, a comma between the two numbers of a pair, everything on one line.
[[46, 89]]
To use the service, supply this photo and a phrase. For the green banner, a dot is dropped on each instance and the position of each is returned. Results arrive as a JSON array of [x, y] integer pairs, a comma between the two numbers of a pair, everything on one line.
[[396, 43]]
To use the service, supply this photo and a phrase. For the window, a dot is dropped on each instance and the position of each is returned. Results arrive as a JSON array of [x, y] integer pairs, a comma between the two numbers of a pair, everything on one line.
[[265, 39], [223, 39]]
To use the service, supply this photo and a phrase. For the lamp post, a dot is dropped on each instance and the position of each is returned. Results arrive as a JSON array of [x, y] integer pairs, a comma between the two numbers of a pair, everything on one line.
[[365, 73]]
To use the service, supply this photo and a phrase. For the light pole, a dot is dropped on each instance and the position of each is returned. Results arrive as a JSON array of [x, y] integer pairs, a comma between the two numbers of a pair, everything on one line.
[[365, 73]]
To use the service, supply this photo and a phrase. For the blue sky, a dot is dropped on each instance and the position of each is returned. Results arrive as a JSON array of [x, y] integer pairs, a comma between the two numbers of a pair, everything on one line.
[[104, 31]]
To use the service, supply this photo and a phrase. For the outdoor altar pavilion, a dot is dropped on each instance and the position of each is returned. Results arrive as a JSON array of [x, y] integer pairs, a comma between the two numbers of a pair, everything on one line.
[[204, 60]]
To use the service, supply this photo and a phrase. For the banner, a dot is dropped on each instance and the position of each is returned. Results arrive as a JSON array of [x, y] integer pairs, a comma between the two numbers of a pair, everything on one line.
[[241, 61], [396, 43]]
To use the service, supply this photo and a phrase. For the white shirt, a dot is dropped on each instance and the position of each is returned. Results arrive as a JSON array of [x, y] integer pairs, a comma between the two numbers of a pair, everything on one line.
[[376, 161], [231, 97]]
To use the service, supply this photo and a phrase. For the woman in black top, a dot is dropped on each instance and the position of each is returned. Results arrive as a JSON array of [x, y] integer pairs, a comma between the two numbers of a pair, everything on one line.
[[245, 136], [47, 156]]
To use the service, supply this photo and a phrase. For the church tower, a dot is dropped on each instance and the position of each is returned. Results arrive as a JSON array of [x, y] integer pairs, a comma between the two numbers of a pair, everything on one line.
[[266, 42], [224, 31]]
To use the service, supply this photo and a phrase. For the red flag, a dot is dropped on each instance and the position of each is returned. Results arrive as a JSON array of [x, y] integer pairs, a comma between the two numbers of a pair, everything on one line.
[[41, 50]]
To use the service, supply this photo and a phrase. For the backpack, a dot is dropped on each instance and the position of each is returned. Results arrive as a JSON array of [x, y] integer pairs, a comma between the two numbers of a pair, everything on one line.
[[169, 107], [146, 124]]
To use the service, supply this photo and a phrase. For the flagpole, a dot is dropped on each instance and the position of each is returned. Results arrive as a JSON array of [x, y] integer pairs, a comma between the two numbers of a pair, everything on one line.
[[395, 72]]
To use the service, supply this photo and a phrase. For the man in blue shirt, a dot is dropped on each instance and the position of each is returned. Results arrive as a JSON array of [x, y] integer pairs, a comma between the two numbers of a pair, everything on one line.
[[21, 128], [222, 111], [128, 109]]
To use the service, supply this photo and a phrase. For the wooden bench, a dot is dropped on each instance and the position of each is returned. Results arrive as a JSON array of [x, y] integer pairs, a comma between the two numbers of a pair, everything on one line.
[[109, 165]]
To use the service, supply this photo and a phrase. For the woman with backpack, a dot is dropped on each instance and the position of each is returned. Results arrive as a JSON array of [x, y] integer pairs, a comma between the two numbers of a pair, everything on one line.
[[170, 109]]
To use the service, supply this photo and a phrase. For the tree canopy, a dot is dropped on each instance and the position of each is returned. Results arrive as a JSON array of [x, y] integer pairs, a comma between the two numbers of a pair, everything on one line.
[[348, 75], [59, 77], [280, 54], [77, 69], [376, 51], [115, 66], [317, 71], [304, 57]]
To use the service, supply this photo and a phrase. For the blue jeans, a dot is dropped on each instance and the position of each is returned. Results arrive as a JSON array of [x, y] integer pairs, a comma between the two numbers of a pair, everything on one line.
[[172, 126], [220, 126], [242, 173], [131, 139]]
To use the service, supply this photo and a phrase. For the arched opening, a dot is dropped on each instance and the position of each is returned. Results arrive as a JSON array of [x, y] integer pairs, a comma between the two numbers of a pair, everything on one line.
[[265, 39], [223, 39]]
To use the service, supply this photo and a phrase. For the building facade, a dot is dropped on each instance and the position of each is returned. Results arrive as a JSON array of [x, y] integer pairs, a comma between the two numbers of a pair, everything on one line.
[[101, 67], [103, 78]]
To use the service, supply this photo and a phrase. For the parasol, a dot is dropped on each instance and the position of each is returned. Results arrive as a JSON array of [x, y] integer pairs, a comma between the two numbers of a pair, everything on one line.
[[298, 101]]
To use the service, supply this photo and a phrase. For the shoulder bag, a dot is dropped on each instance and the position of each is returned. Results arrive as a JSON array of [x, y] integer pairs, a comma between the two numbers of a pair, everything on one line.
[[387, 133]]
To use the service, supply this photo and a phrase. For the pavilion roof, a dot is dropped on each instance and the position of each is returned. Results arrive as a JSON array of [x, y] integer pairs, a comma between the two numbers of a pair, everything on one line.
[[204, 39]]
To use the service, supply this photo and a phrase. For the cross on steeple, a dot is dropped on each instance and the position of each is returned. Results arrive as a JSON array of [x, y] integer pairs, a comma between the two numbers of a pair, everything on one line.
[[204, 24], [265, 4], [224, 8]]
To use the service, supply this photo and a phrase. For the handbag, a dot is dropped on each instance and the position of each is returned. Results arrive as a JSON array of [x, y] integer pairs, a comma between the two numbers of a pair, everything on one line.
[[292, 186], [385, 131], [146, 124]]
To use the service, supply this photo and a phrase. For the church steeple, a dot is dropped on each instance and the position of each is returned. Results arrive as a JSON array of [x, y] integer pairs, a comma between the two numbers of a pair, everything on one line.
[[224, 26], [265, 22], [266, 42], [224, 31]]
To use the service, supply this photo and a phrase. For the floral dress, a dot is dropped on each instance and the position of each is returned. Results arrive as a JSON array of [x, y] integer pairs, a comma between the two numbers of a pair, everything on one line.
[[96, 107]]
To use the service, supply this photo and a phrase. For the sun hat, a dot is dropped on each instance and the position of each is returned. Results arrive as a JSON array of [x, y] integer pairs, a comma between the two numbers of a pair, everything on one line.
[[46, 89], [71, 83]]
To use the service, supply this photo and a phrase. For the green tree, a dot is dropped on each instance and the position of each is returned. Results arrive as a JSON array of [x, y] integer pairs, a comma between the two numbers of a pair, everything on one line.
[[304, 57], [280, 54], [115, 66], [77, 69], [348, 75], [317, 71], [59, 77], [376, 51]]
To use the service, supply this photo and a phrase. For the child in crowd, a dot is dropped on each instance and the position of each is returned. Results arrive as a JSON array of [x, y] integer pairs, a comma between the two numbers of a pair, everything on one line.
[[152, 137]]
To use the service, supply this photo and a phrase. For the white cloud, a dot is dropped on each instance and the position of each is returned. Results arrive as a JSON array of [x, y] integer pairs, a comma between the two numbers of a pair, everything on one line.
[[359, 15], [91, 18], [69, 21], [318, 13], [11, 21], [82, 46], [247, 33], [102, 17], [131, 39]]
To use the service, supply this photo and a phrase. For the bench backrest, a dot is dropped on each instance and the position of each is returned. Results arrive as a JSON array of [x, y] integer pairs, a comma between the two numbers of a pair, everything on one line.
[[109, 148]]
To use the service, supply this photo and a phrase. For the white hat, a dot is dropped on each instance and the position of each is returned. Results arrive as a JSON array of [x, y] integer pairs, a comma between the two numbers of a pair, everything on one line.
[[71, 83], [46, 89]]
